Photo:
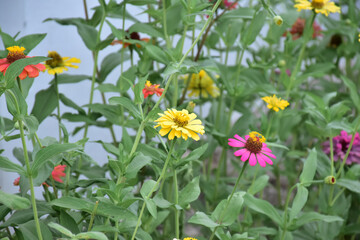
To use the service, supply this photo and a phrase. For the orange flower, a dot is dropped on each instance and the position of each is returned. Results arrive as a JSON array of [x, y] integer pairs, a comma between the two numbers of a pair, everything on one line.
[[58, 172], [151, 89], [16, 53], [133, 36]]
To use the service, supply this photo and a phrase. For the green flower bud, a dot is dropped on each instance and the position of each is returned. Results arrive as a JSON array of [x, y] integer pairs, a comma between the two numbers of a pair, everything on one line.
[[330, 180], [190, 107], [282, 63], [278, 20]]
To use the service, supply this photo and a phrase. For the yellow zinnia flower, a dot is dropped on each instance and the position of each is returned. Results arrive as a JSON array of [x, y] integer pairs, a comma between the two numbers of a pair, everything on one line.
[[58, 64], [320, 6], [275, 103], [359, 37], [190, 238], [180, 124], [202, 84]]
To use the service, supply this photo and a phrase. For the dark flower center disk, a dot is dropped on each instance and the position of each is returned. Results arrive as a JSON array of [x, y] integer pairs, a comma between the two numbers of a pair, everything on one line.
[[181, 120], [317, 4], [253, 146], [13, 56], [133, 36], [56, 60]]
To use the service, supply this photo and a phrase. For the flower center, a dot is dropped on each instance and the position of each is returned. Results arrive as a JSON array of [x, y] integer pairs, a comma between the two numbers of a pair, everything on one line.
[[15, 53], [181, 119], [56, 60], [254, 142], [317, 4]]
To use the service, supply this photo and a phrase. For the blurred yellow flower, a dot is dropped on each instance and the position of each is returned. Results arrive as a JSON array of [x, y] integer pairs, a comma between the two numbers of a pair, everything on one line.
[[190, 238], [320, 6], [59, 64], [275, 103], [179, 124], [201, 84]]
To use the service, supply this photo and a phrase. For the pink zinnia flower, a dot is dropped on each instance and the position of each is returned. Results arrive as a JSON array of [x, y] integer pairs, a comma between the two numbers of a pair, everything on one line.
[[151, 89], [16, 53], [341, 145], [58, 172], [253, 149]]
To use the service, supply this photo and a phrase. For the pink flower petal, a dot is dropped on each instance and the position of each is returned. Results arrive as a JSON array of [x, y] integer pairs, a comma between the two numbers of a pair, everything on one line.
[[245, 155], [252, 160], [266, 159], [235, 143], [239, 138], [265, 149], [247, 137], [240, 152], [260, 160], [269, 154]]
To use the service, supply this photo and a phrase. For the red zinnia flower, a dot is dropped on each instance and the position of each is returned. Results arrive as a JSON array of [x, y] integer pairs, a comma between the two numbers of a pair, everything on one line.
[[151, 89], [297, 29], [58, 172], [253, 149], [16, 53]]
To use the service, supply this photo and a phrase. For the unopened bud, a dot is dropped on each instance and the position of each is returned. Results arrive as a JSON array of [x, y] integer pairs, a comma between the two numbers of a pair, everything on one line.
[[278, 20], [16, 125], [330, 180], [190, 107], [282, 63]]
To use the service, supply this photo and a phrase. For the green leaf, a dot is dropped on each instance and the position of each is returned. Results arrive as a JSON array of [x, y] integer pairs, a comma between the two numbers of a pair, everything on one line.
[[309, 169], [276, 145], [194, 155], [146, 28], [136, 164], [68, 221], [7, 40], [232, 212], [128, 104], [32, 124], [13, 201], [61, 229], [312, 217], [30, 41], [263, 207], [147, 188], [255, 27], [91, 235], [68, 102], [45, 154], [109, 63], [139, 96], [189, 193], [110, 112], [119, 34], [88, 35], [203, 219], [259, 184], [354, 95], [299, 201], [151, 206], [8, 166], [17, 67], [157, 54], [29, 232], [45, 103], [67, 78], [12, 104], [351, 185]]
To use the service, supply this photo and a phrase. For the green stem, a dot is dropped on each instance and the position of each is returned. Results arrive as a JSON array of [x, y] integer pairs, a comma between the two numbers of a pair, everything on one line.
[[28, 168], [348, 151], [177, 224], [269, 125], [306, 38], [332, 154], [336, 197], [285, 211], [93, 216], [168, 44], [54, 187], [58, 104], [229, 199], [162, 175], [117, 230]]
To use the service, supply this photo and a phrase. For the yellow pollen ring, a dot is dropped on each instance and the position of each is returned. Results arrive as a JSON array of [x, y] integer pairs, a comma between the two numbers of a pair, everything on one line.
[[257, 136], [15, 49], [181, 120]]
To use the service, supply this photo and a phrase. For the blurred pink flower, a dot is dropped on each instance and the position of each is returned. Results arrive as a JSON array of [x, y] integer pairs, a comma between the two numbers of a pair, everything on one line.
[[341, 145]]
